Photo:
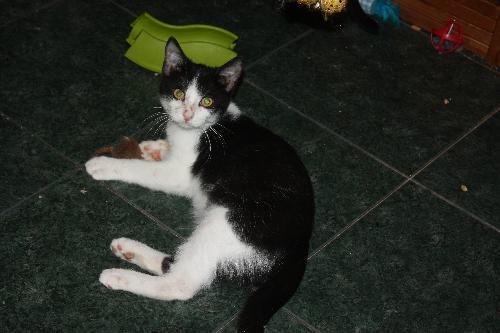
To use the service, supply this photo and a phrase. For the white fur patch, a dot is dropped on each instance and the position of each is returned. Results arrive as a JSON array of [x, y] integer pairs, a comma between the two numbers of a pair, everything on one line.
[[233, 110], [214, 244]]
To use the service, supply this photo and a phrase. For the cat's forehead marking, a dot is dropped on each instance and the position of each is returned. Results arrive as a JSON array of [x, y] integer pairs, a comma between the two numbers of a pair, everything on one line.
[[192, 93]]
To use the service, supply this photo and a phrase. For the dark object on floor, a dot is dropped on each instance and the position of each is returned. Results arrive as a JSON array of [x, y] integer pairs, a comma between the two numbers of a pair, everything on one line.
[[127, 148], [315, 19]]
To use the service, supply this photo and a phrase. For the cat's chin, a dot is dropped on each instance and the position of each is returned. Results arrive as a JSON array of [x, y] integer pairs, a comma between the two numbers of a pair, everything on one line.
[[187, 126]]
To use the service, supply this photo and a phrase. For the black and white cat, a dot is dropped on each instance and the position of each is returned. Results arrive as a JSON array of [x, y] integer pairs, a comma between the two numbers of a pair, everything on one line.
[[252, 197]]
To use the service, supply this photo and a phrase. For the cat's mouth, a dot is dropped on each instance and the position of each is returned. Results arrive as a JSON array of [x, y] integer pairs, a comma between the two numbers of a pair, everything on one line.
[[186, 125]]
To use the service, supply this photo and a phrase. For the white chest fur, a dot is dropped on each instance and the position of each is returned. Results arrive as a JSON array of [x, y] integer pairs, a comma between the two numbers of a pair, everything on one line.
[[183, 153]]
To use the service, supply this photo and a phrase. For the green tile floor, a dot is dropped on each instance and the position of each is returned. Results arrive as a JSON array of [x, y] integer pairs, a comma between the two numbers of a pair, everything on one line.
[[397, 246]]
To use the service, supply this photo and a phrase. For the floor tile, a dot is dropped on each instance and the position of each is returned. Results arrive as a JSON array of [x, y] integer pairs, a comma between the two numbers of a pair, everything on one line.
[[385, 93], [57, 245], [12, 10], [65, 77], [260, 27], [346, 183], [475, 163], [27, 164], [415, 265]]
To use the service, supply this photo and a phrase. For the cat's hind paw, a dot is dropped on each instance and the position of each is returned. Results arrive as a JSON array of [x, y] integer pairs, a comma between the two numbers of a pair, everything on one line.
[[141, 255], [124, 248], [154, 150]]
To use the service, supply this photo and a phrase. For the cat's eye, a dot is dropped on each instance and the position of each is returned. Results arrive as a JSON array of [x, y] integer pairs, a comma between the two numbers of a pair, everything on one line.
[[179, 94], [206, 102]]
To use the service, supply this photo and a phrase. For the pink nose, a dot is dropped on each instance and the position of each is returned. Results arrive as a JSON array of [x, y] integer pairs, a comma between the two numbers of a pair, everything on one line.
[[188, 115]]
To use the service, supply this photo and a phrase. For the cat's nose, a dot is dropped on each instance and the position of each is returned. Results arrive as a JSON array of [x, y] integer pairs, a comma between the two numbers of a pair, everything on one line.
[[188, 114]]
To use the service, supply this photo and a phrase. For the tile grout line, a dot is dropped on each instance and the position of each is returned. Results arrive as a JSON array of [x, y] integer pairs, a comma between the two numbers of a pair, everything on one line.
[[478, 63], [454, 143], [300, 320], [125, 9], [357, 219], [32, 11], [157, 221], [282, 46], [226, 323], [64, 176], [455, 205], [329, 130], [39, 138]]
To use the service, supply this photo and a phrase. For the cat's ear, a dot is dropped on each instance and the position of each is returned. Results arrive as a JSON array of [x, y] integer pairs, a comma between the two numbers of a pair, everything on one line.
[[230, 74], [174, 57]]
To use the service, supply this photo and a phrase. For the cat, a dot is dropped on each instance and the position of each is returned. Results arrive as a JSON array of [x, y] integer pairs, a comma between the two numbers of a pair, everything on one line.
[[252, 198]]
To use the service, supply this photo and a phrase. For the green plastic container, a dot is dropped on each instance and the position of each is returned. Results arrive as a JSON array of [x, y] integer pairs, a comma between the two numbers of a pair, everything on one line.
[[203, 44]]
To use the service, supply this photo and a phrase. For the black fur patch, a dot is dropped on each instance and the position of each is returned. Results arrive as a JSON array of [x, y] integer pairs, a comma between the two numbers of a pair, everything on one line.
[[261, 180], [165, 264]]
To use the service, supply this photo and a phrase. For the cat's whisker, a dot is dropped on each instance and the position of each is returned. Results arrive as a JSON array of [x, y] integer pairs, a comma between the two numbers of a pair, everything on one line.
[[224, 127], [161, 127], [209, 145], [220, 139], [156, 123], [153, 120], [157, 107], [218, 134], [156, 114], [158, 127]]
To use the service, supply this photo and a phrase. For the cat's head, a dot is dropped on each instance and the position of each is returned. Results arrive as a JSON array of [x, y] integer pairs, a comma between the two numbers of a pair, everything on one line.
[[193, 95]]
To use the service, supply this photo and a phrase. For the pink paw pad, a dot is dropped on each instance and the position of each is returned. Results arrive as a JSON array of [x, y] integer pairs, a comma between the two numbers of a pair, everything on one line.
[[128, 255]]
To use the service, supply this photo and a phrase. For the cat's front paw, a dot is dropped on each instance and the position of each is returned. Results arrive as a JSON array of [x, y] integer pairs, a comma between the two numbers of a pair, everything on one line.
[[103, 168], [154, 150]]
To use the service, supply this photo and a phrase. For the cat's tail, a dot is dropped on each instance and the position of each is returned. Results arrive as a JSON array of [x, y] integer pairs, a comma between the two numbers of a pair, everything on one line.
[[270, 296]]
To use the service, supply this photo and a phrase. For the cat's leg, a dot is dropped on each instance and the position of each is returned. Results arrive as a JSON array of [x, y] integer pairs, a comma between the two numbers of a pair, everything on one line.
[[160, 287], [195, 263], [154, 150], [141, 255], [170, 175]]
